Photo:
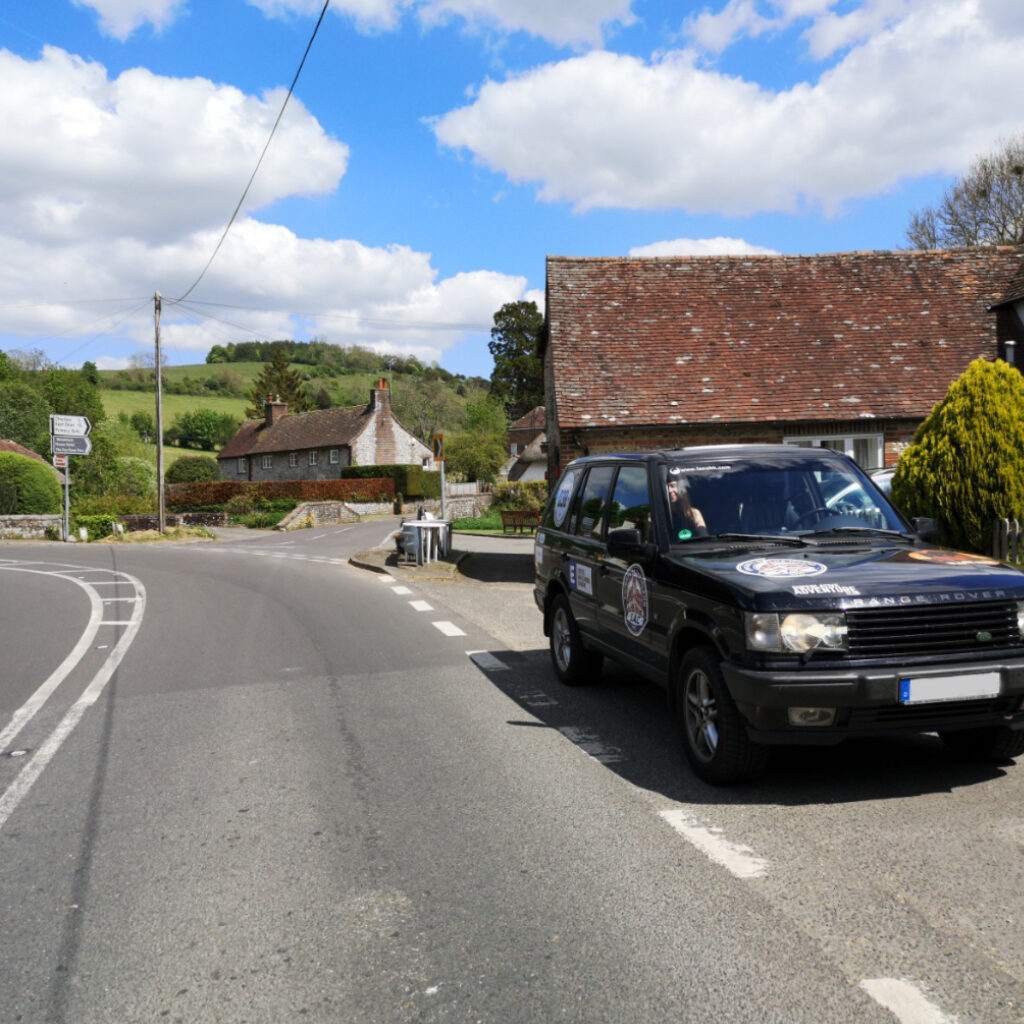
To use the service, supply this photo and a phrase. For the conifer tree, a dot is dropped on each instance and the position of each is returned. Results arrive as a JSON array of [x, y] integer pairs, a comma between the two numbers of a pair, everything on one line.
[[966, 465], [276, 378]]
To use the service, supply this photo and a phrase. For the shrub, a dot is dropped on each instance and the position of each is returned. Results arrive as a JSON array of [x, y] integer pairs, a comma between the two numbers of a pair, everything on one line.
[[188, 497], [965, 467], [97, 526], [35, 484], [531, 495], [136, 478], [413, 482], [192, 469]]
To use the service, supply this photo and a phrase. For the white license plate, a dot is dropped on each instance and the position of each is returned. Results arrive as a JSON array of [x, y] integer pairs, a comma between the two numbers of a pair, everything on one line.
[[931, 689]]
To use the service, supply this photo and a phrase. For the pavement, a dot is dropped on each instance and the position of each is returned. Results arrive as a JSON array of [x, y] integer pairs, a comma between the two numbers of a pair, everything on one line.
[[486, 578]]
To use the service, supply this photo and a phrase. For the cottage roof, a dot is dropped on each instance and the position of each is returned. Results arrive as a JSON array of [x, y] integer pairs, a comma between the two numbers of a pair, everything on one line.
[[322, 428], [535, 419], [678, 340]]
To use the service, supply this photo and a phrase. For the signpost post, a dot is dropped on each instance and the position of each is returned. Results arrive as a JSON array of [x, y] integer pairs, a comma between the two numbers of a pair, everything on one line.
[[69, 435], [437, 445]]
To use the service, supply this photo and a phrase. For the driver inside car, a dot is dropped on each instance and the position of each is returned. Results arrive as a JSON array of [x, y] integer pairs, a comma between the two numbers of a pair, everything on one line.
[[686, 520]]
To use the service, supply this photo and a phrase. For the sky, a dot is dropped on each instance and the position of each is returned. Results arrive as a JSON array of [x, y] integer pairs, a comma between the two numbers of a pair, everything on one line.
[[434, 152]]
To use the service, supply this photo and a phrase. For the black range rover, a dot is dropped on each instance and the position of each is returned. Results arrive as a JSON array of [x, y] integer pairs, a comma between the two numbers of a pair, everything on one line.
[[779, 598]]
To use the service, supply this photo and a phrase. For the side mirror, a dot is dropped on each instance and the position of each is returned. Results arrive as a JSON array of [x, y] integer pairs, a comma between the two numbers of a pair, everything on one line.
[[627, 544], [926, 528]]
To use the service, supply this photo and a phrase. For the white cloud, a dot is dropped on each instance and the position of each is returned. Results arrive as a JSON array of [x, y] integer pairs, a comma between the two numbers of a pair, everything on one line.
[[120, 18], [144, 155], [702, 247], [603, 130], [122, 187]]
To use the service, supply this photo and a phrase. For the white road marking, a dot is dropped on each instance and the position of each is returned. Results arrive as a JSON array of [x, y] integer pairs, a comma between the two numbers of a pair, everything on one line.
[[590, 743], [422, 606], [401, 590], [740, 860], [47, 750], [905, 1001], [487, 661], [385, 578], [449, 629]]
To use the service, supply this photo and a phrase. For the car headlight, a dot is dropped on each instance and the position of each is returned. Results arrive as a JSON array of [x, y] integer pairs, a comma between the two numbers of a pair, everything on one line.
[[798, 631], [1020, 619]]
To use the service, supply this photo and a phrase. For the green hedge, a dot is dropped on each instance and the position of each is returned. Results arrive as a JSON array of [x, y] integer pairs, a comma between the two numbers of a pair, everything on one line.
[[31, 486], [413, 482], [186, 497]]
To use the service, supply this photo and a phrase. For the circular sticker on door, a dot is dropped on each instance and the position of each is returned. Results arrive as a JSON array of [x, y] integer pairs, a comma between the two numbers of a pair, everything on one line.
[[785, 568], [634, 599]]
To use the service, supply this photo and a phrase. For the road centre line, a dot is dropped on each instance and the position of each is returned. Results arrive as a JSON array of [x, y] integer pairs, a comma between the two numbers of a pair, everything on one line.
[[449, 628], [401, 590], [421, 606], [905, 1001], [740, 860], [487, 661]]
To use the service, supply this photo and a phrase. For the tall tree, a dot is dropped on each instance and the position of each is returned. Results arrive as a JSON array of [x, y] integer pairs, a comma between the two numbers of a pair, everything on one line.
[[518, 378], [984, 207], [277, 378]]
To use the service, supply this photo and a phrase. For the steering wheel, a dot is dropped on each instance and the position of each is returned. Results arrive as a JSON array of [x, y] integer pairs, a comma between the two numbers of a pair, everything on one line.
[[810, 512]]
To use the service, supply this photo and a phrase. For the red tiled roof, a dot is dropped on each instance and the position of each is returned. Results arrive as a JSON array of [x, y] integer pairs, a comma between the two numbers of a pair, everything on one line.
[[535, 419], [319, 429], [644, 341]]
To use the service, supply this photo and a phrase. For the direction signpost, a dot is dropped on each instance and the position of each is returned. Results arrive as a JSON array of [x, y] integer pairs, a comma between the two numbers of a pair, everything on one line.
[[69, 435]]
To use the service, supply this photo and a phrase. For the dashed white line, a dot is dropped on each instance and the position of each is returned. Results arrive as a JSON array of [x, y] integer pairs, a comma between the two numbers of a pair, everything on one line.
[[905, 1001], [421, 606], [401, 590], [590, 743], [740, 860], [487, 661], [449, 629]]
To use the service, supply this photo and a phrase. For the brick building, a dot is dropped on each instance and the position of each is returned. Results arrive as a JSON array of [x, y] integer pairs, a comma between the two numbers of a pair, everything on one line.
[[849, 351]]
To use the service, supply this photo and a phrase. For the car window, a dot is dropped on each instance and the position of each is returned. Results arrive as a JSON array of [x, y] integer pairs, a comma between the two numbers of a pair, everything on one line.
[[590, 509], [631, 502]]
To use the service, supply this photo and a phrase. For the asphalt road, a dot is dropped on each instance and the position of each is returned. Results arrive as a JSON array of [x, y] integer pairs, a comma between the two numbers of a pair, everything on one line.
[[248, 782]]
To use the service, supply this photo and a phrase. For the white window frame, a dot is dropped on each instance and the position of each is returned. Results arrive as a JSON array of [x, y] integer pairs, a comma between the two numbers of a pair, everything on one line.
[[314, 457], [293, 460], [335, 456], [843, 443], [267, 462], [242, 465]]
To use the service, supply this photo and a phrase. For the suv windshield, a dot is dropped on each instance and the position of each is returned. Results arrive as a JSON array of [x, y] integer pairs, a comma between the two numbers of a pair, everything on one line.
[[772, 497]]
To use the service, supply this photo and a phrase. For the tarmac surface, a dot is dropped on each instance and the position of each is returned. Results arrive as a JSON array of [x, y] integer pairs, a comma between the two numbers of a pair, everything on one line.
[[486, 578]]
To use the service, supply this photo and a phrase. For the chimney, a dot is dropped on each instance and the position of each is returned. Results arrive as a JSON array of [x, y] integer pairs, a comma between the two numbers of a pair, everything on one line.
[[380, 396], [274, 409]]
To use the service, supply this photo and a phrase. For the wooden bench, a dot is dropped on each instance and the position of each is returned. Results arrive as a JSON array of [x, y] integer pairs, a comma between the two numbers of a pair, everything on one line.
[[519, 520]]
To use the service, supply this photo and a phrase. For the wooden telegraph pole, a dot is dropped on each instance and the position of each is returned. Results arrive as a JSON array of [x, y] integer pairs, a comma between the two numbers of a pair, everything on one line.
[[161, 516]]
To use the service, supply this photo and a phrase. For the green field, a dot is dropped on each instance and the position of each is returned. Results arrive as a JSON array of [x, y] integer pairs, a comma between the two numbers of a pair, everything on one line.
[[115, 402]]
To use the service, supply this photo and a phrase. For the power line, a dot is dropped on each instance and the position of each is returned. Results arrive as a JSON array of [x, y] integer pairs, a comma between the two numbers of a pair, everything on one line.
[[252, 178]]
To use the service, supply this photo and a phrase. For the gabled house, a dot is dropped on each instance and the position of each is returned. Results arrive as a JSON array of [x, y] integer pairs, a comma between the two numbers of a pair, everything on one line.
[[527, 447], [318, 445], [847, 351]]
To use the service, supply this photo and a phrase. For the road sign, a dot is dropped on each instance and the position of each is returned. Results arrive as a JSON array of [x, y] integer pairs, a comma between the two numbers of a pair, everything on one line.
[[60, 461], [70, 426], [62, 444], [437, 444]]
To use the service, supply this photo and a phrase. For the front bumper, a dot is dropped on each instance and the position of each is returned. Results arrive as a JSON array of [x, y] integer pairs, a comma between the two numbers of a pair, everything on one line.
[[867, 701]]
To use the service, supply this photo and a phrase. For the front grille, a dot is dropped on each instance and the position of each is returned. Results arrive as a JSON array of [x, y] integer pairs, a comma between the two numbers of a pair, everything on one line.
[[963, 628], [933, 716]]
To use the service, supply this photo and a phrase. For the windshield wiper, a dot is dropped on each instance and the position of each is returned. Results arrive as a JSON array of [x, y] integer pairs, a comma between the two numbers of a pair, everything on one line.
[[758, 538], [873, 530]]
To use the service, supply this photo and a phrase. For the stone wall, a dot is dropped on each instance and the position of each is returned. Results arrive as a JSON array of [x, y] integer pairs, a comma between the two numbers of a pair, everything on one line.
[[31, 527]]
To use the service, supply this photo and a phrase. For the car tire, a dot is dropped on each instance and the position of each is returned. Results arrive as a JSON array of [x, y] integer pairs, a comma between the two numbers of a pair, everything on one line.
[[573, 664], [996, 743], [715, 738]]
